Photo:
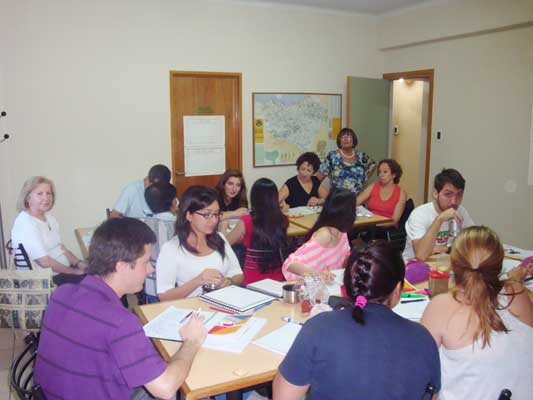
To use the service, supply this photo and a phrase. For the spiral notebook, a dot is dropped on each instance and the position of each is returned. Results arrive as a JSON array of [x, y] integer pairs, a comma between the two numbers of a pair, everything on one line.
[[236, 299], [268, 286]]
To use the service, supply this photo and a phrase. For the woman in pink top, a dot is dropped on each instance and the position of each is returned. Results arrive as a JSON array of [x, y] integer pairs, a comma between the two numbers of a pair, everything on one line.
[[327, 246], [385, 197]]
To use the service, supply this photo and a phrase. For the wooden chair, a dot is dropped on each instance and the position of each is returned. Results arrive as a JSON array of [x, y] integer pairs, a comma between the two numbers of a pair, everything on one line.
[[21, 373]]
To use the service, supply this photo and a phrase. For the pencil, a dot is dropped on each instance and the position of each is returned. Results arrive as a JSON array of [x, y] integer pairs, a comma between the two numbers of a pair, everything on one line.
[[184, 318]]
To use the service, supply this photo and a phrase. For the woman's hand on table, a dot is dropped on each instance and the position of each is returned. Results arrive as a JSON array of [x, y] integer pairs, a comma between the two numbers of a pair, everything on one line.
[[209, 276], [314, 202], [239, 212]]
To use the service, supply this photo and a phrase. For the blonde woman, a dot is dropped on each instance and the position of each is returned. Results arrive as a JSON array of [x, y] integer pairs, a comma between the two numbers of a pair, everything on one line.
[[484, 326], [38, 231]]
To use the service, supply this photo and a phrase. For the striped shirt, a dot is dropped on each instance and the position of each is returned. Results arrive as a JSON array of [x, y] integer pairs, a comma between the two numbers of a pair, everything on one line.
[[91, 347], [318, 258]]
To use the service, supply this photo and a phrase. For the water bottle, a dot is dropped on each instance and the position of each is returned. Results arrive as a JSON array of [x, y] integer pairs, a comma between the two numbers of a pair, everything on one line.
[[321, 291], [310, 287]]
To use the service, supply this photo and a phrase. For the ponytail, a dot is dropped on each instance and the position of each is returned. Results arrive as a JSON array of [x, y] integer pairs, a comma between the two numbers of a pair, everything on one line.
[[476, 259]]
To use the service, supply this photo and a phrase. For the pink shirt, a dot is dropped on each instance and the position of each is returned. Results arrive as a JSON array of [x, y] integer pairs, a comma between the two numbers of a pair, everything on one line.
[[317, 257]]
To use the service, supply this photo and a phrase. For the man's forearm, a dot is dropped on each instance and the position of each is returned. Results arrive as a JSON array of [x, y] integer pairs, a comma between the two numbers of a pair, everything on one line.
[[424, 246], [180, 363]]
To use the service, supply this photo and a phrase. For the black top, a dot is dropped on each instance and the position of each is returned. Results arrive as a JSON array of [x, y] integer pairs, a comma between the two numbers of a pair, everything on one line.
[[297, 195], [232, 206]]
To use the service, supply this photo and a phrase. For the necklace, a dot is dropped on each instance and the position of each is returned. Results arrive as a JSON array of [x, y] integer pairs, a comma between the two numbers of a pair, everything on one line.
[[347, 156]]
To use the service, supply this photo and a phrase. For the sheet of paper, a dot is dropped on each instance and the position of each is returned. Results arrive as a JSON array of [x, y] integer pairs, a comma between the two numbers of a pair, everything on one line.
[[205, 161], [223, 335], [204, 130], [237, 342], [412, 310], [280, 340], [363, 212], [304, 210], [517, 252], [204, 142]]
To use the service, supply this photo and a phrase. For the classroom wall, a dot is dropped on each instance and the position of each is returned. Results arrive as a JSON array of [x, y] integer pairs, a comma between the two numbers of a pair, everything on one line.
[[482, 104], [86, 84]]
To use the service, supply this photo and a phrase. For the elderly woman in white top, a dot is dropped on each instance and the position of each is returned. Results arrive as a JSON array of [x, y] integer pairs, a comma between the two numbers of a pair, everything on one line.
[[38, 231]]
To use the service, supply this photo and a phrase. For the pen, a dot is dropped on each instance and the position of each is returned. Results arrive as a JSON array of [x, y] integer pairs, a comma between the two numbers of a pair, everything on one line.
[[289, 319], [412, 301], [184, 318]]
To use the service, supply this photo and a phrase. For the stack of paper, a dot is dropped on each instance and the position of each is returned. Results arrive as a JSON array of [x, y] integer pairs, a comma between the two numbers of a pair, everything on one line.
[[236, 299], [363, 212], [303, 210], [516, 252]]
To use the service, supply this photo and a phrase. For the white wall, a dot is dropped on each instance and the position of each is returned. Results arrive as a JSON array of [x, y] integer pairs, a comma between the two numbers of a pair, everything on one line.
[[482, 103], [87, 86]]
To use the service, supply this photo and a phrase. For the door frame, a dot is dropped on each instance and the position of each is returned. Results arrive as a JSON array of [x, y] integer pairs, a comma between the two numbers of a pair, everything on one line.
[[429, 75]]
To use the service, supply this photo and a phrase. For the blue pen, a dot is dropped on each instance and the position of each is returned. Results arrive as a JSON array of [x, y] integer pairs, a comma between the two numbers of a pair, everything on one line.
[[412, 301], [292, 321]]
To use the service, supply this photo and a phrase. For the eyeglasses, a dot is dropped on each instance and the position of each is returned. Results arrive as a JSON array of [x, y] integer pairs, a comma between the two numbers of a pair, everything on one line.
[[209, 215]]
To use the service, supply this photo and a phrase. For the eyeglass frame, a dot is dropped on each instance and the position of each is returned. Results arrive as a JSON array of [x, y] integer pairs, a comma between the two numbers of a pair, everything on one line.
[[208, 215]]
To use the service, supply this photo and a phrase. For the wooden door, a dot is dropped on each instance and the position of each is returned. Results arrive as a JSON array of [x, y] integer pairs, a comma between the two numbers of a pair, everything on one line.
[[204, 93]]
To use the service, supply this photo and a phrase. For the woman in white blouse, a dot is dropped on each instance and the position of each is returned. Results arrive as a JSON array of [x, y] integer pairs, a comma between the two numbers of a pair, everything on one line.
[[38, 231], [198, 255]]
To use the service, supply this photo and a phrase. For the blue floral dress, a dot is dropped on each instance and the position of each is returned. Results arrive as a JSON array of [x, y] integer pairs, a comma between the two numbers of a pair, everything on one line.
[[351, 176]]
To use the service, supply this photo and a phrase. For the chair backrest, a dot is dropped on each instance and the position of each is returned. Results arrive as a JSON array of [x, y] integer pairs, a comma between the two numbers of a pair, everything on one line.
[[20, 258], [505, 394], [164, 231], [430, 391], [255, 257], [409, 207], [108, 213], [21, 373]]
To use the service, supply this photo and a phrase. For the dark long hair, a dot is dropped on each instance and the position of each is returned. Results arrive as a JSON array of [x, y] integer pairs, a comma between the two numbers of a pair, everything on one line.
[[269, 224], [374, 274], [241, 196], [194, 199], [338, 211]]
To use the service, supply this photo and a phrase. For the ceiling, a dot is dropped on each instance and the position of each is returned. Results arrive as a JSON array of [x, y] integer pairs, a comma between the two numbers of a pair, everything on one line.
[[374, 7]]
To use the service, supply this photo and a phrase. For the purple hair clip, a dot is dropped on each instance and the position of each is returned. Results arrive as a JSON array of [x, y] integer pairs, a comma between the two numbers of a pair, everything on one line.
[[360, 301]]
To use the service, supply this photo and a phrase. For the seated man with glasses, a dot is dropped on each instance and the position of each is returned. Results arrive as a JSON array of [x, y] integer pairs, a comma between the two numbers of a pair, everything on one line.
[[428, 225], [198, 255]]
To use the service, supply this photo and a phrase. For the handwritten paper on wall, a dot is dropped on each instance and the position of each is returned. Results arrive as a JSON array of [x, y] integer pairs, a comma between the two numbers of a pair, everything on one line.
[[204, 140]]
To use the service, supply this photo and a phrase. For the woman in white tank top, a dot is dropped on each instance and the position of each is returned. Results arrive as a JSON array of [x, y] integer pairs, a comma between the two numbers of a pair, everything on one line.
[[484, 327]]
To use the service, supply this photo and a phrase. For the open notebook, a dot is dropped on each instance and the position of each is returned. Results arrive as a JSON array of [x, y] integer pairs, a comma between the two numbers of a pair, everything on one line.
[[268, 286], [236, 299]]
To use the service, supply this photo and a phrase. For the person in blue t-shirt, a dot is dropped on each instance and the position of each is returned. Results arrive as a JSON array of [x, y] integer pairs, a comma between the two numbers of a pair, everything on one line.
[[365, 351]]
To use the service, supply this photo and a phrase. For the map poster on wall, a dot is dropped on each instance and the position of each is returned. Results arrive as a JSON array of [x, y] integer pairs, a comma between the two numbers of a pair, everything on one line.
[[286, 125]]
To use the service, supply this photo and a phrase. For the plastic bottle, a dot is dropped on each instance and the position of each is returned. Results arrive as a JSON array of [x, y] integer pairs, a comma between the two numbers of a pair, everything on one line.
[[321, 293]]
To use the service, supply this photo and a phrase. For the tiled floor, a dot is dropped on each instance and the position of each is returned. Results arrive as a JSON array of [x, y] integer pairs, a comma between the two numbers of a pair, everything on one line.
[[11, 344]]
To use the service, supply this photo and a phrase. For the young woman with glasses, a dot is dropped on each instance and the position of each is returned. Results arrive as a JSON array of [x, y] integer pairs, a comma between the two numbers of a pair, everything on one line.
[[198, 255]]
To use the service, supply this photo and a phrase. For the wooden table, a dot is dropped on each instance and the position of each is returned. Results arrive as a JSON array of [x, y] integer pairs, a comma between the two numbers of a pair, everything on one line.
[[307, 221], [214, 372], [83, 235]]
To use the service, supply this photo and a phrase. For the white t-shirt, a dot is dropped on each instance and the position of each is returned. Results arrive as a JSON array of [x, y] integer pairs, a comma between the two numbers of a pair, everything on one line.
[[176, 266], [421, 219], [131, 201], [39, 238], [478, 373]]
